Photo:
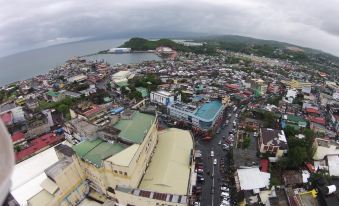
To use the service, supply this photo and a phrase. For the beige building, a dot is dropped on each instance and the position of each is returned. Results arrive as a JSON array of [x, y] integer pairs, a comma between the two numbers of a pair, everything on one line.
[[298, 84], [272, 141], [65, 183], [135, 166]]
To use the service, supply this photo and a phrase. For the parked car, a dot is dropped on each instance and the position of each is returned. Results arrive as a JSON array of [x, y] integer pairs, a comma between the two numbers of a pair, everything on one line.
[[225, 194], [215, 161], [212, 153]]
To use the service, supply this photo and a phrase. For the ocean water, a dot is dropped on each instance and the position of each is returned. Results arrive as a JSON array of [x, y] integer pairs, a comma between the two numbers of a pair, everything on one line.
[[28, 64]]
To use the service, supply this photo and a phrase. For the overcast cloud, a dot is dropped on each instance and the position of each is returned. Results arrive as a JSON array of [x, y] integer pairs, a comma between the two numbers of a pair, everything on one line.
[[37, 23]]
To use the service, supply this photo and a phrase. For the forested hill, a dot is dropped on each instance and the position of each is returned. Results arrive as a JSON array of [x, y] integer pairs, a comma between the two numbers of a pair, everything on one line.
[[140, 44]]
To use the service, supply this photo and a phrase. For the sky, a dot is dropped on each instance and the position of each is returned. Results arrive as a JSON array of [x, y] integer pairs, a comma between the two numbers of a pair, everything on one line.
[[33, 24]]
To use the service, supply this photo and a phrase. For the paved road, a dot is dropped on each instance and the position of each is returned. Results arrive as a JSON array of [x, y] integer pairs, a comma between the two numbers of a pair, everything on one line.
[[213, 180]]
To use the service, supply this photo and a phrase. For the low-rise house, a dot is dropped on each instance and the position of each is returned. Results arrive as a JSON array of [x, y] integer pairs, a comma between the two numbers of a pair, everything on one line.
[[55, 96], [272, 141], [324, 147], [32, 103]]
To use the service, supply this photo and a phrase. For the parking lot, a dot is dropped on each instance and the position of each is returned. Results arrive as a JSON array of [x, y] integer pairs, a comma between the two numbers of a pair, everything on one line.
[[215, 167]]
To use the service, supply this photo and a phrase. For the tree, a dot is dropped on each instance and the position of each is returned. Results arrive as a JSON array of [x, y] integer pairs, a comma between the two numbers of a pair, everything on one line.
[[108, 85], [296, 156], [123, 90], [290, 131], [246, 142], [63, 108], [269, 118]]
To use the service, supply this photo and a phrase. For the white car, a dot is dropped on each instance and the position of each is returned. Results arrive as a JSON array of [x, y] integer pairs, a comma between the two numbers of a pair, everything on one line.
[[212, 153], [215, 161], [224, 189], [225, 194], [225, 203]]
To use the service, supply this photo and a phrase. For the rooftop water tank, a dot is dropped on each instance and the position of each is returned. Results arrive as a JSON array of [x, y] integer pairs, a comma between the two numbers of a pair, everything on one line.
[[331, 189]]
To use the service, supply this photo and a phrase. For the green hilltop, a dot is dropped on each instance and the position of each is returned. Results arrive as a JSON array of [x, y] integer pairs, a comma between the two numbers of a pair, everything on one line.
[[140, 44]]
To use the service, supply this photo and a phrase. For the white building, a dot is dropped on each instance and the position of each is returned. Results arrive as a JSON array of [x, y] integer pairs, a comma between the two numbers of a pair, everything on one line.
[[121, 76], [291, 95], [162, 97], [77, 78], [119, 50]]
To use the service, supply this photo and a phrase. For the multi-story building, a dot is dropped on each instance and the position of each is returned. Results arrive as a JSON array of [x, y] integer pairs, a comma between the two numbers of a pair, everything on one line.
[[272, 141], [259, 86], [134, 164], [294, 84], [203, 117], [162, 97]]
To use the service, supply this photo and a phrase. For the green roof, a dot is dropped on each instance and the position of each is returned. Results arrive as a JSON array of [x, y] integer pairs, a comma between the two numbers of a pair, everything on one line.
[[122, 84], [143, 91], [295, 119], [97, 150], [52, 93], [107, 99], [134, 129]]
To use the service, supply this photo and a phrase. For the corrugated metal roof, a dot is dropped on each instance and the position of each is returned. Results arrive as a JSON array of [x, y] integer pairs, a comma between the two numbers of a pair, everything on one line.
[[97, 150], [135, 129], [124, 157], [169, 169]]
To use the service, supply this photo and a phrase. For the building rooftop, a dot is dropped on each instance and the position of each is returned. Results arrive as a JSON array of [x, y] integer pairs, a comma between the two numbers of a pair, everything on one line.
[[253, 178], [97, 150], [274, 137], [64, 149], [208, 110], [135, 128], [57, 168], [42, 198], [169, 170], [143, 91], [124, 157], [324, 148], [52, 93], [165, 93]]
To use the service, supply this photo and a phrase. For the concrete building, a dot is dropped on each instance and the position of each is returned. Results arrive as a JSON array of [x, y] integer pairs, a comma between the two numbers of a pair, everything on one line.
[[294, 84], [138, 166], [324, 148], [259, 86], [162, 97], [119, 50], [65, 183], [55, 96], [203, 117], [77, 78], [273, 141], [18, 115], [121, 75]]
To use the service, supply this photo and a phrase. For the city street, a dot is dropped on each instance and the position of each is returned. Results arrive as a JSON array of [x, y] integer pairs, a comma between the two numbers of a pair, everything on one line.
[[210, 195]]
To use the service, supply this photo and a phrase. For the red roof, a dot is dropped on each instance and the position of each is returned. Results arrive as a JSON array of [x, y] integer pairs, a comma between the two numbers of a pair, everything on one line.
[[92, 111], [264, 165], [246, 92], [318, 120], [310, 167], [18, 136], [232, 86], [7, 117], [38, 144], [312, 110]]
